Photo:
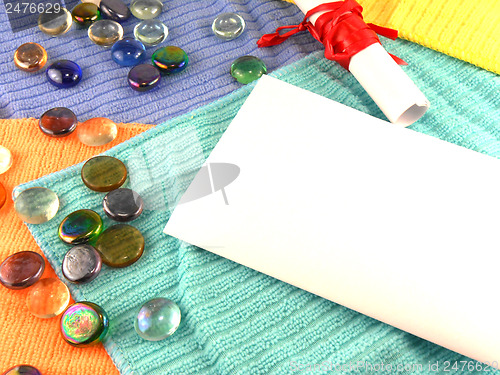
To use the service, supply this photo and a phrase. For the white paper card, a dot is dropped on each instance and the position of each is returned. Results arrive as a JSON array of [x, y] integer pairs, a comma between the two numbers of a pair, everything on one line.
[[389, 222]]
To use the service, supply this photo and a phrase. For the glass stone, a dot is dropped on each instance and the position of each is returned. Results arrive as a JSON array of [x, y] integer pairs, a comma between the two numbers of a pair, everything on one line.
[[105, 32], [55, 23], [115, 10], [96, 2], [144, 77], [123, 205], [5, 159], [48, 298], [85, 14], [3, 195], [247, 69], [84, 324], [58, 122], [146, 9], [157, 319], [22, 370], [128, 52], [228, 26], [150, 32], [21, 270], [36, 205], [120, 245], [81, 264], [30, 57], [97, 131], [104, 173], [80, 227], [64, 74], [170, 59]]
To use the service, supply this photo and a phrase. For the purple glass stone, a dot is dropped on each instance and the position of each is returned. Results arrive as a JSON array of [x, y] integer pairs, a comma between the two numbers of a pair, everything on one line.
[[22, 370], [144, 77], [81, 264], [21, 270]]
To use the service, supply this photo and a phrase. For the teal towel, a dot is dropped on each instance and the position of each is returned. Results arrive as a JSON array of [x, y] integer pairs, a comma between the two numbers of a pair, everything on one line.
[[236, 320]]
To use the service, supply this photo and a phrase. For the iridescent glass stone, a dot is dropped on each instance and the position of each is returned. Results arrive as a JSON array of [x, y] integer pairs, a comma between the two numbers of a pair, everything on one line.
[[36, 205], [21, 270], [170, 59], [81, 264], [228, 26], [146, 9], [48, 298], [64, 74], [5, 159], [123, 205], [105, 32], [56, 23], [128, 52], [80, 227], [30, 57], [157, 319], [84, 324], [120, 245], [97, 131], [143, 77], [85, 14], [104, 173], [247, 69], [150, 32], [58, 122], [22, 370]]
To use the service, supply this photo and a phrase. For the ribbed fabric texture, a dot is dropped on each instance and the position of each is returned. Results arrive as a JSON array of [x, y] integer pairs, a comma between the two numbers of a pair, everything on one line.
[[104, 89], [467, 30], [236, 320], [25, 338]]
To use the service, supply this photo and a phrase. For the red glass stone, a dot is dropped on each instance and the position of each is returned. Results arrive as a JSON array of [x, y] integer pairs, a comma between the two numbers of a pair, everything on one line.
[[21, 270]]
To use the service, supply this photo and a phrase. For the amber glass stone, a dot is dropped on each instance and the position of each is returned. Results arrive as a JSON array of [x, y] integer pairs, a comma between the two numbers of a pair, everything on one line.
[[58, 122], [85, 14], [21, 270], [48, 298], [120, 245], [97, 131], [3, 195], [30, 57], [104, 173], [80, 227]]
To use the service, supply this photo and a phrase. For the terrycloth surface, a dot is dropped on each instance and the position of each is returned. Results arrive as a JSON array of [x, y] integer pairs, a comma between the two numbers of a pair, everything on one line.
[[25, 338], [467, 30], [236, 320]]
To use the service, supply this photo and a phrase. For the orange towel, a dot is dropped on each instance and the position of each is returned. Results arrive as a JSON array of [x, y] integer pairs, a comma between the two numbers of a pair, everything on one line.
[[25, 338]]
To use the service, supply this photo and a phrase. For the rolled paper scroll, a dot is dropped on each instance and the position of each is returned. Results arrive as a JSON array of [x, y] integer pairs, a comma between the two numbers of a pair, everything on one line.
[[339, 26]]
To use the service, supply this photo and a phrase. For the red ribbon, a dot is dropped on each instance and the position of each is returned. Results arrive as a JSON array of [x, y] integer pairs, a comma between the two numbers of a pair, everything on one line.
[[341, 30]]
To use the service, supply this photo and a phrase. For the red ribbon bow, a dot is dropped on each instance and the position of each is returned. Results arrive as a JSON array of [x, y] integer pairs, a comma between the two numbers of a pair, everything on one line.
[[341, 29]]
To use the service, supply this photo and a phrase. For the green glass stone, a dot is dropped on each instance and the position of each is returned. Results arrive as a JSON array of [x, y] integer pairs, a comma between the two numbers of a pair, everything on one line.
[[84, 324], [157, 319], [247, 69], [170, 59], [85, 14], [80, 227], [36, 205], [104, 173], [120, 245]]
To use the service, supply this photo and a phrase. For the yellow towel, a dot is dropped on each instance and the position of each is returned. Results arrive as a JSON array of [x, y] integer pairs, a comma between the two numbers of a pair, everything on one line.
[[467, 30]]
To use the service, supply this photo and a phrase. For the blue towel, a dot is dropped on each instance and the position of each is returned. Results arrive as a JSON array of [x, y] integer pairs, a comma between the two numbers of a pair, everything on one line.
[[236, 320]]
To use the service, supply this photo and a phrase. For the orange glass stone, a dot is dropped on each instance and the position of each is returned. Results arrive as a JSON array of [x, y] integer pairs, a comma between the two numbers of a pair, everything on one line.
[[97, 131], [3, 195], [48, 298], [30, 57]]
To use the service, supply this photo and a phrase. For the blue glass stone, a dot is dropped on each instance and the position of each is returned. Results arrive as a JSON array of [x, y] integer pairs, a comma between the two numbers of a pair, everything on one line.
[[64, 74], [128, 52], [170, 59], [157, 319], [144, 77]]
